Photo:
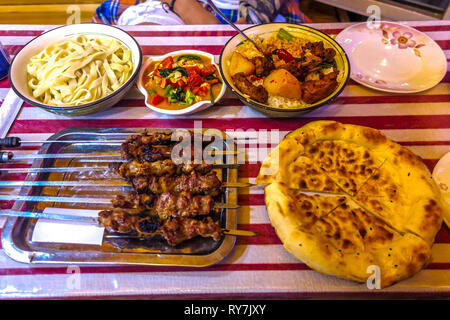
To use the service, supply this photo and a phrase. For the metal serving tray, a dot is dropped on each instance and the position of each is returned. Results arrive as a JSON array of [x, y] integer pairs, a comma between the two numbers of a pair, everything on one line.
[[17, 232]]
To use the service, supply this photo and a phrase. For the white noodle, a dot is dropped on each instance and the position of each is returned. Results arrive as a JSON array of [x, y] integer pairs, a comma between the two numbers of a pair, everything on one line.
[[78, 70]]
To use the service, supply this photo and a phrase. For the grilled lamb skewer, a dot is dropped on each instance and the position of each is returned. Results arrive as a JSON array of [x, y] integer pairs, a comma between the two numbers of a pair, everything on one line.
[[208, 184], [118, 220], [174, 230], [167, 204], [150, 147], [174, 192], [145, 153], [158, 168], [180, 229]]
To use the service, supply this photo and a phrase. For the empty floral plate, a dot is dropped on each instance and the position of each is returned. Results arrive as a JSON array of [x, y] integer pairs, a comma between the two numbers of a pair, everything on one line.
[[393, 57]]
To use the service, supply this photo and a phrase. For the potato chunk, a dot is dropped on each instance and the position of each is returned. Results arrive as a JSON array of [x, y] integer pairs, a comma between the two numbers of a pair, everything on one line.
[[240, 64], [281, 82]]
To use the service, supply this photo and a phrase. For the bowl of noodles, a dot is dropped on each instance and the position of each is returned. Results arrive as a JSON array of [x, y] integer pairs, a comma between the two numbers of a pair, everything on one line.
[[298, 69], [77, 69]]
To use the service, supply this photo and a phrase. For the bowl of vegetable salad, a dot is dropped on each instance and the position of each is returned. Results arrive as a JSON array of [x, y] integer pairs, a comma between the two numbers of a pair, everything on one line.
[[181, 82]]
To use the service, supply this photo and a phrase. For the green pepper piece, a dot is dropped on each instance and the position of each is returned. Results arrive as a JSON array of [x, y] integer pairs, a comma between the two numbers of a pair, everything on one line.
[[284, 35], [164, 72], [211, 95], [168, 90], [189, 97], [180, 70], [189, 57]]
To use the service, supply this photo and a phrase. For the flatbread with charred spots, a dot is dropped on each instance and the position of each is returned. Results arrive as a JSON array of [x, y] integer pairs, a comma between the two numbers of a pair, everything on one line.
[[389, 210]]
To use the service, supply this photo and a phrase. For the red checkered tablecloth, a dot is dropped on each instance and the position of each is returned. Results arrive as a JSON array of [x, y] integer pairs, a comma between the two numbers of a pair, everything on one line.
[[257, 267]]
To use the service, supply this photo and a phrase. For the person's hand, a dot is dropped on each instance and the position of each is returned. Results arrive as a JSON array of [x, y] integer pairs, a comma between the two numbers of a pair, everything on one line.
[[192, 12]]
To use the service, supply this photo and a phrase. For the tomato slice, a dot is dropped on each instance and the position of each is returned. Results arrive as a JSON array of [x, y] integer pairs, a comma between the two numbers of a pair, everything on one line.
[[194, 80], [206, 71], [192, 69], [167, 63], [156, 99], [200, 91]]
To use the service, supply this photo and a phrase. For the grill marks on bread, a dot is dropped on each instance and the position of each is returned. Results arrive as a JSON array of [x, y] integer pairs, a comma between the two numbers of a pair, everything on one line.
[[391, 210], [347, 164]]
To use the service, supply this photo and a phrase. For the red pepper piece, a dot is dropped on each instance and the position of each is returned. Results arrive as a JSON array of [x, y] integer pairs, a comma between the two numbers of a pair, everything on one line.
[[167, 63], [156, 99], [194, 80], [286, 56], [206, 71]]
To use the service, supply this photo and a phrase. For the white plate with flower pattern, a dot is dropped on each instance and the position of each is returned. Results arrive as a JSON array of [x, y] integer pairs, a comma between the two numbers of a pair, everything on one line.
[[392, 57]]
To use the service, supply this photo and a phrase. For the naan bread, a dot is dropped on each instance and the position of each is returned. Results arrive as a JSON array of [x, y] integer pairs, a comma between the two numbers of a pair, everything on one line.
[[405, 197], [301, 209], [298, 172], [391, 213], [346, 241], [348, 164]]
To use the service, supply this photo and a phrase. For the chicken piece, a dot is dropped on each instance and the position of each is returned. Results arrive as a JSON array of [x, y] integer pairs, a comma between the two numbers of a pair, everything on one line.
[[318, 50], [263, 66], [302, 67], [315, 90], [329, 55], [296, 69], [257, 93]]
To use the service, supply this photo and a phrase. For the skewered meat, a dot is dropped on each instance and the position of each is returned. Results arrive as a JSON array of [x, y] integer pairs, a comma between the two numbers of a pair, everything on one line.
[[257, 93], [121, 221], [134, 200], [315, 90], [141, 146], [154, 138], [167, 204], [145, 152], [166, 195], [181, 229], [149, 224], [157, 168], [174, 230], [117, 220], [183, 204], [195, 183]]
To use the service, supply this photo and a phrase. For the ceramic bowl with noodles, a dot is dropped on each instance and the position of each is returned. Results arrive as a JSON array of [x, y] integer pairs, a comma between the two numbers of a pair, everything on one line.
[[76, 69]]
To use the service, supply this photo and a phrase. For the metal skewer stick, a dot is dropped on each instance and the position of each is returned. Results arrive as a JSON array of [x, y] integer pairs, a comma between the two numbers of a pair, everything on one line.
[[14, 142], [141, 236], [102, 183], [81, 169], [74, 218], [83, 200], [9, 156]]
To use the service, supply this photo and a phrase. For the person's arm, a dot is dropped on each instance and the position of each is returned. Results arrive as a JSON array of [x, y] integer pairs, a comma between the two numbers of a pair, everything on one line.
[[192, 12]]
